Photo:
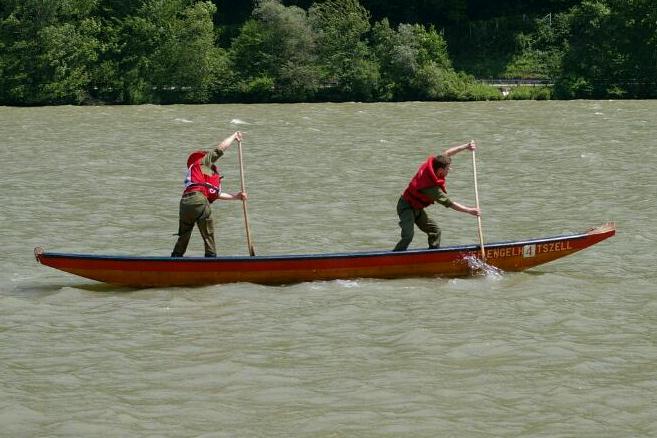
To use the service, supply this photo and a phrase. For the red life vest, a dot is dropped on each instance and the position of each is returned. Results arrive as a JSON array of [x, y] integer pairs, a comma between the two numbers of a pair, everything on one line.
[[197, 181], [424, 178]]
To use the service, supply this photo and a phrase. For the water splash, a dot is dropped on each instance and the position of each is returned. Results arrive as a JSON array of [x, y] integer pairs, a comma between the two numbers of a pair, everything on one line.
[[480, 268], [238, 122], [348, 283]]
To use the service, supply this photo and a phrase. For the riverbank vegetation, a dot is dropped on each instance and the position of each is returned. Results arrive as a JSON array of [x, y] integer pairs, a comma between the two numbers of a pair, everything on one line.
[[191, 51]]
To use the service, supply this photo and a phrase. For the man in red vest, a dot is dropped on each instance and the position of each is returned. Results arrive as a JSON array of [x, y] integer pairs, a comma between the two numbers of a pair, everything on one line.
[[202, 187], [426, 187]]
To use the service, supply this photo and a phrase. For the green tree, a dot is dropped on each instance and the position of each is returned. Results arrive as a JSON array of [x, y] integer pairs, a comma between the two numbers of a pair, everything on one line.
[[274, 55], [414, 63], [166, 52], [638, 23], [349, 68], [69, 53], [612, 50], [589, 53], [540, 52], [187, 61], [49, 49]]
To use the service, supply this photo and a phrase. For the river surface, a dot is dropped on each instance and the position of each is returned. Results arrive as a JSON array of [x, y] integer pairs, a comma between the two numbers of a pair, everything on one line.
[[567, 349]]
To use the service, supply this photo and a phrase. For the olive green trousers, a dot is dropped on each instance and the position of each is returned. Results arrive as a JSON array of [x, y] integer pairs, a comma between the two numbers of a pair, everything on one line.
[[195, 210], [408, 218]]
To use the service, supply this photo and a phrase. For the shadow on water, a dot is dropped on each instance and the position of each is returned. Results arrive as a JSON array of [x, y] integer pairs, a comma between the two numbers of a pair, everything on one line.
[[43, 290], [479, 270]]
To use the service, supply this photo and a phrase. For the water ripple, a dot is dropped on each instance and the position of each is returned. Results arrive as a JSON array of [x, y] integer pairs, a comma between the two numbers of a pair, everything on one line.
[[566, 349]]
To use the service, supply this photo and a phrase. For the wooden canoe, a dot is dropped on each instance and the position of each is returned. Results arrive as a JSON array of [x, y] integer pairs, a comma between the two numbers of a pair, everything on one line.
[[452, 261]]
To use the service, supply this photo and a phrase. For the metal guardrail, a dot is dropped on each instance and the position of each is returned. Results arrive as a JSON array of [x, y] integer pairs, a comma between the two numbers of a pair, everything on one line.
[[515, 82]]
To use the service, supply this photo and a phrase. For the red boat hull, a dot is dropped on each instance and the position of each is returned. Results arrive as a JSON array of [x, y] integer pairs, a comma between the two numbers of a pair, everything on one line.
[[443, 262]]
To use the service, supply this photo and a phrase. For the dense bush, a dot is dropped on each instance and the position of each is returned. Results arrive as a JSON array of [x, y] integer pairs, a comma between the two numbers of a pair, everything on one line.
[[611, 50]]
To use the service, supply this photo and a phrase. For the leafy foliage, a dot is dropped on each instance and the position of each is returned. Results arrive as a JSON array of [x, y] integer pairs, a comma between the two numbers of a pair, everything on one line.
[[611, 50], [164, 51], [414, 62], [276, 49], [49, 51], [345, 59]]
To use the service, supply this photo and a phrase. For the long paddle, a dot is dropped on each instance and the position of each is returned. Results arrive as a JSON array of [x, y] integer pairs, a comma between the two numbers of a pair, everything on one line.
[[246, 214], [481, 234]]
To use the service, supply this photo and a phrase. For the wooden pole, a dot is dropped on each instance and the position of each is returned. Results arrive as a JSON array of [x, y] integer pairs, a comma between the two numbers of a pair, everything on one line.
[[481, 234], [246, 214]]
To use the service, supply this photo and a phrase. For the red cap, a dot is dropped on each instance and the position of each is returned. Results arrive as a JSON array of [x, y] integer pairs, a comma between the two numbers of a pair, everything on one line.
[[194, 157]]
